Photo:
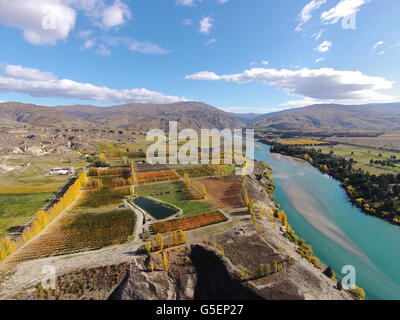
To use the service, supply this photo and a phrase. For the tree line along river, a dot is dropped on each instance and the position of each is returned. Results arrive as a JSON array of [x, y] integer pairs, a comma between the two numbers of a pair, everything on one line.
[[319, 211]]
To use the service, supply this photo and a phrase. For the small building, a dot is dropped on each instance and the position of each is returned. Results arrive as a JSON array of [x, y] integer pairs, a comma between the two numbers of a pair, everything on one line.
[[61, 172]]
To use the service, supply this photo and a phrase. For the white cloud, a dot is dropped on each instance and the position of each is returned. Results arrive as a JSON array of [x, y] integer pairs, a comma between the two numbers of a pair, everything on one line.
[[103, 50], [192, 2], [382, 53], [321, 84], [206, 24], [376, 45], [43, 84], [395, 45], [46, 22], [343, 9], [324, 46], [187, 22], [211, 41], [318, 35], [185, 2], [115, 15], [102, 13], [88, 44], [265, 63], [300, 103], [20, 72], [319, 60], [84, 34], [204, 75], [42, 21], [306, 14], [135, 45]]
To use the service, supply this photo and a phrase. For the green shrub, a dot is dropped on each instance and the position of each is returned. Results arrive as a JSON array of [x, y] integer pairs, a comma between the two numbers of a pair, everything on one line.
[[358, 293]]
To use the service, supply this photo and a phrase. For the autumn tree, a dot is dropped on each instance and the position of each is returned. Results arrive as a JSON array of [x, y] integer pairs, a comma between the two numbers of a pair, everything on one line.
[[131, 192], [204, 192], [283, 218], [160, 241], [165, 261], [182, 237], [7, 246]]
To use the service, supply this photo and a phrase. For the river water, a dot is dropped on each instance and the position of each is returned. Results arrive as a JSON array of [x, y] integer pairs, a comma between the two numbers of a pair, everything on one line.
[[319, 210]]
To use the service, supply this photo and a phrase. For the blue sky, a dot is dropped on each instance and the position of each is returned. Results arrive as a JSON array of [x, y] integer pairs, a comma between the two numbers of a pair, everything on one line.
[[243, 56]]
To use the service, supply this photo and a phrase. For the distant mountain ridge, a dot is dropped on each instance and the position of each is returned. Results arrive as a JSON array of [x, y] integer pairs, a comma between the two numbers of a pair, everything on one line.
[[141, 117], [334, 117], [198, 115]]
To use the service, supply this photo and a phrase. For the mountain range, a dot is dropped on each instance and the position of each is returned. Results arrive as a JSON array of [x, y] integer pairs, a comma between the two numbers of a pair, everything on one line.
[[197, 115]]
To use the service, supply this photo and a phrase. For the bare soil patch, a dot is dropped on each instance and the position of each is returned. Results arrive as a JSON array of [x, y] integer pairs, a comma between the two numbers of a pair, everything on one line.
[[224, 193]]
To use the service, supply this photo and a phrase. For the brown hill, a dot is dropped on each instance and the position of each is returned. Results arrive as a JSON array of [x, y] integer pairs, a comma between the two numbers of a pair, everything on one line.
[[140, 117], [195, 115], [14, 114], [334, 117]]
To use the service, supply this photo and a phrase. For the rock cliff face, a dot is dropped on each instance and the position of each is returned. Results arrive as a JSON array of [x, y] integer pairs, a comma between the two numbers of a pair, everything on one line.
[[206, 277]]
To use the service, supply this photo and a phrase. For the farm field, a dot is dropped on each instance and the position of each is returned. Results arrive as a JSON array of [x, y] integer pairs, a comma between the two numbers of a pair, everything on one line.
[[24, 190], [32, 181], [302, 142], [112, 147], [388, 141], [363, 157], [189, 223], [224, 193], [177, 194], [106, 196], [16, 209], [94, 222], [197, 172], [80, 230], [156, 176]]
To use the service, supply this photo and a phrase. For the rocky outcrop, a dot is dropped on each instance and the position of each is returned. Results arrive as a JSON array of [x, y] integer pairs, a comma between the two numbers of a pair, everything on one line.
[[206, 277]]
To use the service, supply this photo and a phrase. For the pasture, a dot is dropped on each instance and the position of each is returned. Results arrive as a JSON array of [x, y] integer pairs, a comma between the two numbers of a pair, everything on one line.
[[17, 209], [363, 156], [24, 190]]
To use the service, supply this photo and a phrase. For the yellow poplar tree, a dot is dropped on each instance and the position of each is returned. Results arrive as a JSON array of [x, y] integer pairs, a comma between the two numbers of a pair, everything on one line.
[[160, 241], [131, 191], [182, 237], [42, 219], [165, 261]]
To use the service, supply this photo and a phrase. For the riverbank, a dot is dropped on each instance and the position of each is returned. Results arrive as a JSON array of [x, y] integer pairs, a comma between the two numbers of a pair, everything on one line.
[[377, 196]]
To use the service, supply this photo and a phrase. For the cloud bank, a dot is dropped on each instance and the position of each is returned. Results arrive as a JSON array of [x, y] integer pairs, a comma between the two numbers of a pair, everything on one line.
[[320, 84], [37, 83]]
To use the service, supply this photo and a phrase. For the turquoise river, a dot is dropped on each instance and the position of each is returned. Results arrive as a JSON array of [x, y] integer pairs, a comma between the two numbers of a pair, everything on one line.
[[319, 211]]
